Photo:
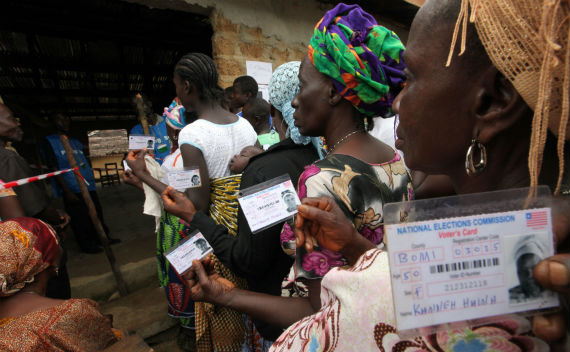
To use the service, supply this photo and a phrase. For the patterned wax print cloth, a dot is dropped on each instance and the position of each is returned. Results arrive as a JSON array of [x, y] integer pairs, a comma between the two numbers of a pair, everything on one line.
[[219, 328], [357, 314], [169, 234], [253, 341], [28, 246], [180, 306], [361, 190], [363, 59], [74, 325]]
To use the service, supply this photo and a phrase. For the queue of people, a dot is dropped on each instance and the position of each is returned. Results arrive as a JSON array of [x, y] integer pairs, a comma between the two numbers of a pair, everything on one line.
[[480, 98]]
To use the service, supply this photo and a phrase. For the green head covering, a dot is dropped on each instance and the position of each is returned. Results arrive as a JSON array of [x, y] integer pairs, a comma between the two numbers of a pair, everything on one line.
[[362, 58]]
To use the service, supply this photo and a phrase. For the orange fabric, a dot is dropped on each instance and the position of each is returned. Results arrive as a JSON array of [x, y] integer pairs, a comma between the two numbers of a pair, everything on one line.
[[176, 159], [73, 325], [354, 99], [349, 81]]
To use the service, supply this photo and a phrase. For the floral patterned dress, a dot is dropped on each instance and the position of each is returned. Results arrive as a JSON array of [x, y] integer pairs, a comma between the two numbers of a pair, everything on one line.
[[357, 314], [361, 190]]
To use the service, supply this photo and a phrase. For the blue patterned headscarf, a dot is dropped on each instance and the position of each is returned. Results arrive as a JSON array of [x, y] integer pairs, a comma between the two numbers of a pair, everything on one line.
[[283, 87], [174, 115]]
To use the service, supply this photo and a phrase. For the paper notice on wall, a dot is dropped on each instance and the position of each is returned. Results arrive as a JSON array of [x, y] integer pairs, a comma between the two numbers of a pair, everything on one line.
[[264, 90], [260, 71]]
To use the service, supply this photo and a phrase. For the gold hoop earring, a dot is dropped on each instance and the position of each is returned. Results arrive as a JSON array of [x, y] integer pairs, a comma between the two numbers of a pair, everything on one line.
[[471, 168]]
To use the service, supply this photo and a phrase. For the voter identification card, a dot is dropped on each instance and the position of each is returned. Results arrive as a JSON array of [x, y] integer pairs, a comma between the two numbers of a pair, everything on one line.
[[182, 180], [468, 267], [193, 247], [269, 203], [141, 142]]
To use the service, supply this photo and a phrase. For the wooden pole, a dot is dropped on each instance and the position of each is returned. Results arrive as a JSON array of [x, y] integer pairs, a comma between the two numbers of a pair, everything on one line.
[[142, 114], [93, 215]]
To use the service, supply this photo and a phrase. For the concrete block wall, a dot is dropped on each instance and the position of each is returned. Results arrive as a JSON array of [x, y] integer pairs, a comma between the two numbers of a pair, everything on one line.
[[233, 44]]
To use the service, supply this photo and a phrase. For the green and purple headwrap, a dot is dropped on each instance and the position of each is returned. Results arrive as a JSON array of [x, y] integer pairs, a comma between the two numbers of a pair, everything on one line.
[[363, 58]]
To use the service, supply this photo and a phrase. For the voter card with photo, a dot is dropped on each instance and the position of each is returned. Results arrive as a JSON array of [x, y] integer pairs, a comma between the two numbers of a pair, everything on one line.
[[193, 247], [269, 203], [182, 180], [469, 267], [140, 142]]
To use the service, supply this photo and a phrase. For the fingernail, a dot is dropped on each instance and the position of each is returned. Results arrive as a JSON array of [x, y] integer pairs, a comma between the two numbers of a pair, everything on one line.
[[559, 274], [302, 208]]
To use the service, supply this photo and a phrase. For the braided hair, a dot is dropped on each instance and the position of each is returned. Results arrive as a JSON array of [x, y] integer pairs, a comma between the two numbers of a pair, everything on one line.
[[199, 70]]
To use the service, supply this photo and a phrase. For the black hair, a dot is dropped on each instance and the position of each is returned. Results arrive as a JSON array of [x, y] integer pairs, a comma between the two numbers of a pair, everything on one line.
[[247, 84], [226, 101], [364, 123], [199, 70], [258, 107]]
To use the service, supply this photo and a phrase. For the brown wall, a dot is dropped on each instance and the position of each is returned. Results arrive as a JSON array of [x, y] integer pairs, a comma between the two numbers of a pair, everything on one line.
[[233, 44], [261, 30]]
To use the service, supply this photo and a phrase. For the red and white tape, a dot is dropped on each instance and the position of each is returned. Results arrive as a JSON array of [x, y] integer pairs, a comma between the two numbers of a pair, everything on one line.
[[23, 181]]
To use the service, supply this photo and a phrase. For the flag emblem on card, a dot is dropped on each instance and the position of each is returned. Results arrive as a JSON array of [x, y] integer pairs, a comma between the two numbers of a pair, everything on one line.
[[536, 219]]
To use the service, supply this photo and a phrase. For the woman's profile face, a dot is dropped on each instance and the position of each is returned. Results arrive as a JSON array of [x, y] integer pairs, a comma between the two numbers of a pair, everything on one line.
[[312, 108], [181, 90], [436, 124]]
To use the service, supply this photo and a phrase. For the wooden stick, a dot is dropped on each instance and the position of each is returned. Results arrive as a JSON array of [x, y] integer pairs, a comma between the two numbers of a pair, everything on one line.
[[93, 215], [141, 113]]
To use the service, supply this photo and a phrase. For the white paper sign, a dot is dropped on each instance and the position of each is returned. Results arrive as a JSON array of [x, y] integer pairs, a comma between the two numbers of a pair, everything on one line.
[[259, 70], [141, 142], [264, 89], [191, 248], [468, 267], [270, 205], [181, 180]]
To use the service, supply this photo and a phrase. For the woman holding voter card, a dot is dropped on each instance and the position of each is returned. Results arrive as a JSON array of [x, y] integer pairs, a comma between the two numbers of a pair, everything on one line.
[[207, 144], [505, 96], [169, 229], [258, 257], [353, 72]]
